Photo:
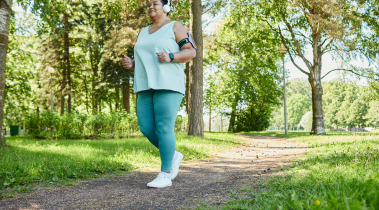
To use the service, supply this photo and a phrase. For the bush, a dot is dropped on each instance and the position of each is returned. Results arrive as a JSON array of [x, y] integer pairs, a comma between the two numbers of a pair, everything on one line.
[[180, 123], [253, 119], [81, 125]]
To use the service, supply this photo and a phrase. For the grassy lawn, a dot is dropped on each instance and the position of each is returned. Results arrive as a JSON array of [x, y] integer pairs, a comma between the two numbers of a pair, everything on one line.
[[340, 172], [62, 162]]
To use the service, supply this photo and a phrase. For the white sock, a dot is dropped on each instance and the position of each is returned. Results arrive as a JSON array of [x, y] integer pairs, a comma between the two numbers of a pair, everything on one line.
[[175, 156], [167, 175]]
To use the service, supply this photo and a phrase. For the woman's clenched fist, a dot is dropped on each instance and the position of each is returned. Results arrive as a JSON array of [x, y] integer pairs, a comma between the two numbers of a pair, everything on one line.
[[127, 62]]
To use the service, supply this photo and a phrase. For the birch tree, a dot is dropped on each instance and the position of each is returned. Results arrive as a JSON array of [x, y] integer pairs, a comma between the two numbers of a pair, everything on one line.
[[5, 18]]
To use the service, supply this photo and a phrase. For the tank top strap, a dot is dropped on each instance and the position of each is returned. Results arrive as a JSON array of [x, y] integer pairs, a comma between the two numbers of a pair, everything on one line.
[[169, 30]]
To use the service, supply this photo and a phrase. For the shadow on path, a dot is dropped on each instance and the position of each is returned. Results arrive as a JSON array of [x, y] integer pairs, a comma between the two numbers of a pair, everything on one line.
[[207, 180]]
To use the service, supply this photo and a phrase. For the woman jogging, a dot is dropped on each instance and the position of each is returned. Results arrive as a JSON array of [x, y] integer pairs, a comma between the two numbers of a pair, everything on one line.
[[159, 56]]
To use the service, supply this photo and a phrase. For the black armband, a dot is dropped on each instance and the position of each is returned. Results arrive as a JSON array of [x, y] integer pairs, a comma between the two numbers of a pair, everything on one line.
[[186, 41], [183, 42]]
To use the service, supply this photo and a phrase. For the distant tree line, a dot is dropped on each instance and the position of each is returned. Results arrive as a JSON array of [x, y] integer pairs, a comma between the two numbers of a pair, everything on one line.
[[345, 103]]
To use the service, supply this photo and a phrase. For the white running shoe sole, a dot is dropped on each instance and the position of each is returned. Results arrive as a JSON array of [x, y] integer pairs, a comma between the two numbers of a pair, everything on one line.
[[175, 166], [158, 186]]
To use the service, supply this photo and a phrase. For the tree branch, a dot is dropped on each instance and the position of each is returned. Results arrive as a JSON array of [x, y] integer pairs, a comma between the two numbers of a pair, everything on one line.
[[296, 43], [324, 41], [272, 28], [305, 37], [289, 52], [369, 59], [325, 48], [352, 71], [306, 14]]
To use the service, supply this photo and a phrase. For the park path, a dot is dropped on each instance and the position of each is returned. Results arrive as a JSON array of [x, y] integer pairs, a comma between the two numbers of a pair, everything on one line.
[[209, 180]]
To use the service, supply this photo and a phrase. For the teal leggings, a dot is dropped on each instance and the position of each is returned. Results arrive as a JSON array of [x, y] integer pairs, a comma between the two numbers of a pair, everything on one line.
[[156, 113]]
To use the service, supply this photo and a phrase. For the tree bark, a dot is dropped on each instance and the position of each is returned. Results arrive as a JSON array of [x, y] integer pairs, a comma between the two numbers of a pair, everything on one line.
[[5, 18], [196, 121], [318, 119], [99, 102], [233, 114], [188, 73], [67, 61], [126, 96], [117, 97], [136, 101], [85, 86], [221, 123], [63, 88], [94, 77], [210, 118]]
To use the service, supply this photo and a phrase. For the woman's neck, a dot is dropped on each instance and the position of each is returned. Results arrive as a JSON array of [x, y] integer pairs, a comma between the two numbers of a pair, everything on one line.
[[157, 21]]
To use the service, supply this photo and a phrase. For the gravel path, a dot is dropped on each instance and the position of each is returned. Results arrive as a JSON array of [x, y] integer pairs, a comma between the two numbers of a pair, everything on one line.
[[208, 180]]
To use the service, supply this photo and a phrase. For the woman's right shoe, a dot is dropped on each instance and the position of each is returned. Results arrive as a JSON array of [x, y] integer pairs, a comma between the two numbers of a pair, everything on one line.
[[160, 182], [175, 166]]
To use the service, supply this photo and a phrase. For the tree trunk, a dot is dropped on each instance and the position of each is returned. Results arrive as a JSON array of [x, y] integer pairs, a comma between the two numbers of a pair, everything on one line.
[[85, 86], [99, 103], [188, 73], [136, 101], [233, 114], [117, 97], [221, 123], [94, 101], [210, 118], [67, 61], [318, 120], [94, 77], [195, 125], [63, 88], [126, 96], [5, 18], [188, 70], [315, 81]]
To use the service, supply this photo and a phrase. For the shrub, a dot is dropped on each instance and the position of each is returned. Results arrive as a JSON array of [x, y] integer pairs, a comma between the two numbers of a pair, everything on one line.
[[81, 125]]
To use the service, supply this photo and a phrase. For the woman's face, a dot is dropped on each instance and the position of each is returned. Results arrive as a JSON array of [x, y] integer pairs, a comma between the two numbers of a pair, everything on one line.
[[156, 8]]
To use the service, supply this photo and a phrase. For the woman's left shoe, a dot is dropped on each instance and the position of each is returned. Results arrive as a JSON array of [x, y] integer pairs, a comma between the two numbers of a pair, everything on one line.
[[160, 182], [175, 166]]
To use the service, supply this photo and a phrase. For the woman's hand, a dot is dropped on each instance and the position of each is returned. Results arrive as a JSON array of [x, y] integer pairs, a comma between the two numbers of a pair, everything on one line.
[[164, 57], [127, 62]]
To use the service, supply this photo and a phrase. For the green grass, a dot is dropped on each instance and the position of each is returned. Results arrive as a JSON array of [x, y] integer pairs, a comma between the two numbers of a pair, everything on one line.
[[60, 162], [340, 172]]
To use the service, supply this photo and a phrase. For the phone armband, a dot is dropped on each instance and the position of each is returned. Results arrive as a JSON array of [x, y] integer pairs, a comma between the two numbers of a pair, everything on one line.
[[187, 40]]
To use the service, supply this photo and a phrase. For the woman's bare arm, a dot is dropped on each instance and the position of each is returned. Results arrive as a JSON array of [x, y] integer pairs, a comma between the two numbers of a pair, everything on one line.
[[186, 53]]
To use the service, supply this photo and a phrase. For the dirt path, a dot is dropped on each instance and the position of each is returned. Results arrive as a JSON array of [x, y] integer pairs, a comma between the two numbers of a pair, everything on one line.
[[207, 180]]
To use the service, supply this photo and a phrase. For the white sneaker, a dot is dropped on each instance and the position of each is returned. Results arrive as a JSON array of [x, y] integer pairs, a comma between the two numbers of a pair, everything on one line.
[[160, 182], [175, 166]]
